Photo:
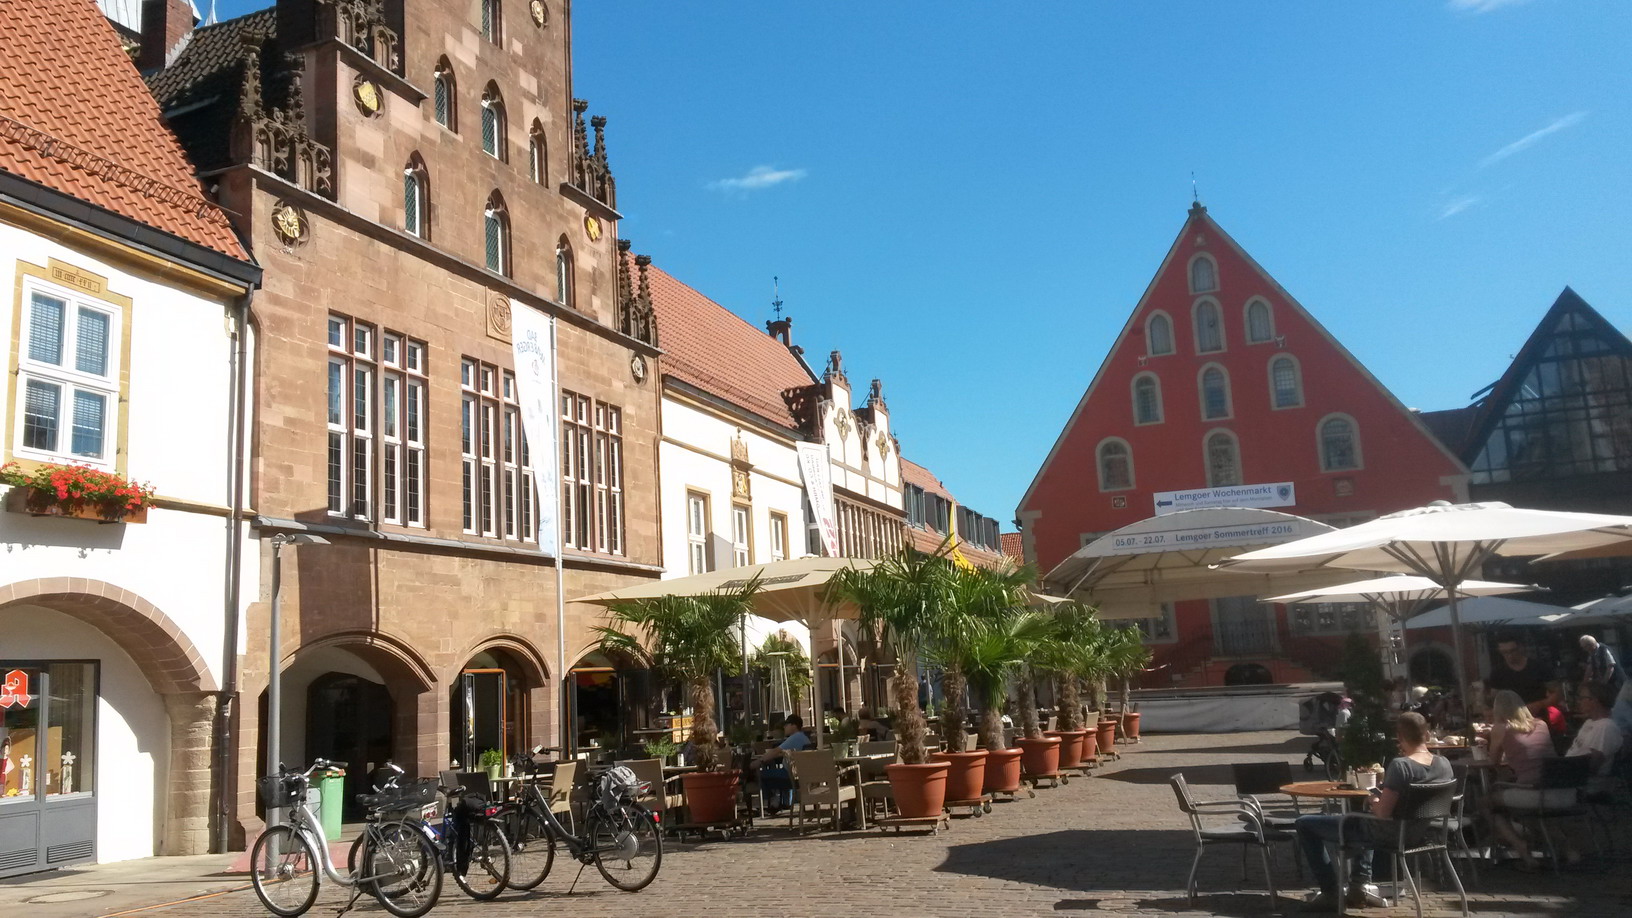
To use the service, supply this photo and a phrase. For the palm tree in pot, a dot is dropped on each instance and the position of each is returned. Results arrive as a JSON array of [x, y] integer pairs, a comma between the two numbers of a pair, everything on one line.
[[998, 651], [691, 638], [1126, 656], [1073, 655]]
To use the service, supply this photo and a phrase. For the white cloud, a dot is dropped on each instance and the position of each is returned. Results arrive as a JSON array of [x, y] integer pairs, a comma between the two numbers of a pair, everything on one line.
[[1457, 205], [756, 178], [1532, 138], [1482, 6]]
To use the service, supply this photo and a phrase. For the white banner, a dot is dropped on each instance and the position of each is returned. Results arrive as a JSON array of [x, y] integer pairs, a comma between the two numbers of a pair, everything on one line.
[[1279, 494], [532, 336], [816, 470]]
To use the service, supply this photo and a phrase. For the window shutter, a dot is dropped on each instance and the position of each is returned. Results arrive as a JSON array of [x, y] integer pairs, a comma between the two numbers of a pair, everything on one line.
[[45, 329]]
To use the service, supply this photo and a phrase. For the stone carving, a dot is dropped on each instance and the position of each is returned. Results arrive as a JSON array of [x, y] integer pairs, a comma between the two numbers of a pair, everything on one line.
[[835, 368], [289, 223], [741, 482], [498, 317], [636, 317], [841, 420], [368, 96], [589, 168], [278, 140], [361, 24]]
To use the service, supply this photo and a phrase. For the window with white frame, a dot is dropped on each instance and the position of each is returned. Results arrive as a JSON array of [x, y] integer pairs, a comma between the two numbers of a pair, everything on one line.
[[779, 537], [1147, 399], [1209, 327], [1115, 466], [1215, 393], [1203, 275], [1339, 444], [1260, 326], [742, 541], [1285, 382], [68, 377], [516, 463], [1223, 460], [1159, 335], [351, 417], [592, 494], [478, 447], [696, 533], [402, 430]]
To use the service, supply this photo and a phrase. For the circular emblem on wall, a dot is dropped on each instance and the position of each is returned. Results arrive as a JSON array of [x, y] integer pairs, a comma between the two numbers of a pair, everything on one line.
[[637, 368], [289, 223], [368, 96], [592, 228], [540, 13], [498, 317]]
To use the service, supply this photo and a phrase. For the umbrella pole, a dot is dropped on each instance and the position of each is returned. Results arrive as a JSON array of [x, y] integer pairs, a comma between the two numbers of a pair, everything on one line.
[[747, 696]]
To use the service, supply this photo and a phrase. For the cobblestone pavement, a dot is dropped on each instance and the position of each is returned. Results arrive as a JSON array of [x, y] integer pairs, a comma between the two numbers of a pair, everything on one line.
[[1111, 843]]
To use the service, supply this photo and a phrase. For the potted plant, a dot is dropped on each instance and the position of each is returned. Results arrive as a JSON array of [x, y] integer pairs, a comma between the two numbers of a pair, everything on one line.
[[691, 638], [661, 749], [1126, 655], [492, 760], [1004, 642], [903, 595], [75, 491], [1073, 654], [1040, 755]]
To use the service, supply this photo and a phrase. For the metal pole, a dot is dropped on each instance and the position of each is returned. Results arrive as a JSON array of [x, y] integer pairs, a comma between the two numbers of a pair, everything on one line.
[[274, 678], [747, 702], [562, 677]]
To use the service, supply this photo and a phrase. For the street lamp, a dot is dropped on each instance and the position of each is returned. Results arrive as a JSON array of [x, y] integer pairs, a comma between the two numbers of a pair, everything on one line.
[[274, 676]]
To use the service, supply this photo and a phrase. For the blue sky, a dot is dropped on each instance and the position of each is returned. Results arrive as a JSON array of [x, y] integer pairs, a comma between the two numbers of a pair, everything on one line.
[[968, 199]]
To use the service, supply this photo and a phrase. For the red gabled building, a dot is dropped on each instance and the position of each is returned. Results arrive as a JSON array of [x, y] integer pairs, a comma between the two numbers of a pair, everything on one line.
[[1220, 378]]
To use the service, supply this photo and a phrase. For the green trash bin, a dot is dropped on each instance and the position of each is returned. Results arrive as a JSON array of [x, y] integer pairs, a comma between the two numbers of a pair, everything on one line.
[[331, 787]]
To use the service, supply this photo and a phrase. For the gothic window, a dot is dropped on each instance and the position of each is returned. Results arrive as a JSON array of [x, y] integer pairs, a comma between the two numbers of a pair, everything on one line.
[[1285, 382], [564, 286], [492, 20], [1203, 275], [1260, 327], [1159, 334], [1215, 393], [1339, 444], [1115, 466], [416, 201], [493, 127], [497, 235], [1209, 327], [1223, 460], [538, 167], [446, 99], [1147, 399]]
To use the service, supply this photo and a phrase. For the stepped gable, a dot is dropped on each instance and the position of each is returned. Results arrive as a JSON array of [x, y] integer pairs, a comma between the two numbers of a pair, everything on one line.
[[76, 117], [712, 348]]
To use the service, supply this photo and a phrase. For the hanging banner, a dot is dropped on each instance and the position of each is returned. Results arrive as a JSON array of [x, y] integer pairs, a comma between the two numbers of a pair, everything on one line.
[[816, 471], [532, 335], [1279, 494]]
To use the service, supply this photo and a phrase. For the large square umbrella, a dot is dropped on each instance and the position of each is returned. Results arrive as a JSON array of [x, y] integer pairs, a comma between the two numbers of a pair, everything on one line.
[[1445, 542]]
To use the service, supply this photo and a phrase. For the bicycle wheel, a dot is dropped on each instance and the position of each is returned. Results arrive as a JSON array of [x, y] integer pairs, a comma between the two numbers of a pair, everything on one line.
[[628, 846], [283, 870], [402, 869], [489, 869], [532, 849]]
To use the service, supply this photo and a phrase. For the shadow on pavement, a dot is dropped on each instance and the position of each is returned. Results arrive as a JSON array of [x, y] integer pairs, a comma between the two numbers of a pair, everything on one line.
[[1297, 745], [1196, 775]]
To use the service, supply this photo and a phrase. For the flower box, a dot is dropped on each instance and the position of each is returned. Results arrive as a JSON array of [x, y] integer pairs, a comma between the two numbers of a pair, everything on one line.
[[75, 492], [17, 501]]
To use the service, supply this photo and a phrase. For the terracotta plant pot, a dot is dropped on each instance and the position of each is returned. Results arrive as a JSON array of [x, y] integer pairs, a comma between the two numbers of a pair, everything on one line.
[[1003, 771], [711, 796], [1130, 725], [1107, 737], [920, 790], [967, 774], [1040, 756], [1070, 746]]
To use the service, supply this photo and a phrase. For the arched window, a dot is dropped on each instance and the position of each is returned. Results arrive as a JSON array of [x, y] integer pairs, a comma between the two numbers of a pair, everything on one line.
[[447, 100], [1203, 275], [416, 198], [1115, 466], [538, 167], [1159, 334], [1223, 460], [1215, 393], [1260, 327], [493, 122], [492, 20], [564, 280], [1339, 444], [497, 235], [1285, 382], [1147, 399], [1209, 327]]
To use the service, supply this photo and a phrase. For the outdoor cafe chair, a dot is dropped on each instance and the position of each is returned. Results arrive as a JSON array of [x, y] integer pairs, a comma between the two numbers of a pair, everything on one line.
[[876, 791], [820, 783], [1256, 780], [660, 798], [1246, 827], [561, 789], [1559, 773], [1422, 824]]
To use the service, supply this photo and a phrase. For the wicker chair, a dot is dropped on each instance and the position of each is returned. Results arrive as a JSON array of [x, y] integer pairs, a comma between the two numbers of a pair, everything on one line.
[[820, 783]]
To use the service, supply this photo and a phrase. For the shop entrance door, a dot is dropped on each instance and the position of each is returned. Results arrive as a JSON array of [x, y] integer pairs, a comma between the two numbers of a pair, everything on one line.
[[48, 763], [349, 719], [480, 716]]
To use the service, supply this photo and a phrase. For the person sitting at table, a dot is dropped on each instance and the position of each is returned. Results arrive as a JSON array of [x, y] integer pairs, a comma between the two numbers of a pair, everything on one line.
[[870, 728], [1599, 736], [1520, 742], [775, 782], [1417, 764]]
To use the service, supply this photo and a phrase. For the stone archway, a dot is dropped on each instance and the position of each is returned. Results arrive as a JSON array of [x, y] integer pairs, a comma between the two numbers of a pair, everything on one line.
[[500, 696]]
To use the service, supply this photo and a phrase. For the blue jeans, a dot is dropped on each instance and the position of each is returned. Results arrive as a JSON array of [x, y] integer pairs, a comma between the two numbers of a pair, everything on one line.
[[1318, 834], [777, 784]]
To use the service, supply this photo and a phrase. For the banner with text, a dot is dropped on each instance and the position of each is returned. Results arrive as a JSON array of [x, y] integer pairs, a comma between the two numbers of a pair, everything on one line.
[[817, 473], [532, 337], [1279, 494]]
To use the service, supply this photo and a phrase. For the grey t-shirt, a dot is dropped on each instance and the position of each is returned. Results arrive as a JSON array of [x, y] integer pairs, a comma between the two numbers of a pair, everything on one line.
[[1403, 772]]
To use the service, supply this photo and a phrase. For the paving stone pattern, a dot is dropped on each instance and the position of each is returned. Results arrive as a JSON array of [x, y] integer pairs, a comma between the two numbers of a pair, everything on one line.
[[1112, 843]]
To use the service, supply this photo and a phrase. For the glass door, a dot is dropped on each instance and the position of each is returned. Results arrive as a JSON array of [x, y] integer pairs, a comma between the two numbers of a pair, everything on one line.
[[48, 765]]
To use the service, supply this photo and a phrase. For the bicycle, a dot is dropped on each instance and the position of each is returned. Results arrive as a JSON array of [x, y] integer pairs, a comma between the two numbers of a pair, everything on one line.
[[620, 837], [468, 840], [291, 859]]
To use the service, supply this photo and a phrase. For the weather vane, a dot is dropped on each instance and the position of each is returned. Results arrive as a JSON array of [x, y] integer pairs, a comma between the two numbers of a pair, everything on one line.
[[776, 296], [1195, 192]]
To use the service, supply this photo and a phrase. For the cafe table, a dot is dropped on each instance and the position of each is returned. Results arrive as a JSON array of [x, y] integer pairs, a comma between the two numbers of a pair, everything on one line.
[[1333, 792]]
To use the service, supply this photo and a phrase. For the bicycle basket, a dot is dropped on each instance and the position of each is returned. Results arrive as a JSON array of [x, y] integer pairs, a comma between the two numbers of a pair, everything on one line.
[[279, 791], [617, 785]]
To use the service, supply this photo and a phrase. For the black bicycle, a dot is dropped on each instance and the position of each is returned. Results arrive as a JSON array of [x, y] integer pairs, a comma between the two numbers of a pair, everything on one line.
[[467, 837], [620, 837]]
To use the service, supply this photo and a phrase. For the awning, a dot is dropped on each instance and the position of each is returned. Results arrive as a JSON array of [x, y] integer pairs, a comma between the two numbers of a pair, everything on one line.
[[1129, 573], [1488, 610]]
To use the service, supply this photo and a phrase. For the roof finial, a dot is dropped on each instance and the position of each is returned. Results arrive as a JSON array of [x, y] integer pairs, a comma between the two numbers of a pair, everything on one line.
[[776, 296], [1195, 191]]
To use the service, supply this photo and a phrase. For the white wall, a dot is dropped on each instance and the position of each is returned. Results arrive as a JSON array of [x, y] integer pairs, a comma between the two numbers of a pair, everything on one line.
[[132, 728]]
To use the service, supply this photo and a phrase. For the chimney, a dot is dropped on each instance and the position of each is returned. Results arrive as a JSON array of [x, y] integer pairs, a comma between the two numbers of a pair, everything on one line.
[[164, 24], [781, 330]]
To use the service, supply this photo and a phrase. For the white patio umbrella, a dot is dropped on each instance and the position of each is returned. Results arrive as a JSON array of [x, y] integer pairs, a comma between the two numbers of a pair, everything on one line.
[[1447, 543], [1491, 610], [1603, 611]]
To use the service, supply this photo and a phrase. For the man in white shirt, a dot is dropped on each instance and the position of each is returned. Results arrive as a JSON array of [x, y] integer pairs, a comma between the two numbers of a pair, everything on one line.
[[1599, 738]]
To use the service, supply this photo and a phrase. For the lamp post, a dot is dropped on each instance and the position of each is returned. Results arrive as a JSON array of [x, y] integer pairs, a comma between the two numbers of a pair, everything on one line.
[[274, 676]]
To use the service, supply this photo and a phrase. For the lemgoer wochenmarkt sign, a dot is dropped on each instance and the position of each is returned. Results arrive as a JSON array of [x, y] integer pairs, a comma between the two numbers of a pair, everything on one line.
[[1279, 494]]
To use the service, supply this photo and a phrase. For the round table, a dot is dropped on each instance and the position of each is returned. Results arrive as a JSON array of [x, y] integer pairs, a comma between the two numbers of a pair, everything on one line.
[[1326, 790]]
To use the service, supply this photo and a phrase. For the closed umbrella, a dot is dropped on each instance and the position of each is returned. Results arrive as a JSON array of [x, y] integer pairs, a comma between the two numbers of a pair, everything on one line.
[[1445, 542]]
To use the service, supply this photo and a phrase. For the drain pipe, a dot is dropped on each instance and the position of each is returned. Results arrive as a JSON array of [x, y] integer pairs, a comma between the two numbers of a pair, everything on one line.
[[220, 829]]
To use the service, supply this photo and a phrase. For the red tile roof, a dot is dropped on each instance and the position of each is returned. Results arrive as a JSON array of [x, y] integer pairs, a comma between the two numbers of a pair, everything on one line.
[[76, 117], [714, 349], [914, 474], [1013, 545]]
